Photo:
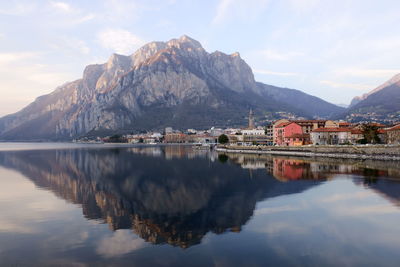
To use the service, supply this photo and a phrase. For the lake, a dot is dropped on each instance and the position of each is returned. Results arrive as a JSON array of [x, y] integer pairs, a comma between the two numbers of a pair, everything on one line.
[[102, 205]]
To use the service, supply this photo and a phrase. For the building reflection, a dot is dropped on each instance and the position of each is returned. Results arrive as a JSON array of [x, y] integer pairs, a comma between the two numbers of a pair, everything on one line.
[[289, 169], [162, 194]]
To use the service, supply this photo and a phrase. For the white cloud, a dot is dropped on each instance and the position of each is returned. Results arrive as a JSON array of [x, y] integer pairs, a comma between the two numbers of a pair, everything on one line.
[[62, 6], [280, 56], [7, 58], [354, 86], [303, 5], [68, 15], [71, 44], [244, 10], [121, 10], [83, 19], [23, 79], [366, 210], [276, 73], [374, 73], [18, 9], [347, 196], [120, 41], [269, 210], [121, 242]]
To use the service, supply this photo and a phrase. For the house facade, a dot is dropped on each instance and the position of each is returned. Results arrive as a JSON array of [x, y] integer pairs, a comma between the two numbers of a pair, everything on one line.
[[331, 136], [393, 135], [288, 134]]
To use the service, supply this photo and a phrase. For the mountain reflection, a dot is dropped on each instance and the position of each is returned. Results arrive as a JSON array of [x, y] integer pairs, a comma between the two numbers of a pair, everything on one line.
[[162, 194], [176, 194]]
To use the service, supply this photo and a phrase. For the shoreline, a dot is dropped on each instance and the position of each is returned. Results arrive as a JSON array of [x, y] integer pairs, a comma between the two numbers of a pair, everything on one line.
[[344, 152]]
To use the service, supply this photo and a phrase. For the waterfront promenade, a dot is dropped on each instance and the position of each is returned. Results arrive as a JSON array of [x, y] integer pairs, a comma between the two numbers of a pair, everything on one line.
[[380, 152]]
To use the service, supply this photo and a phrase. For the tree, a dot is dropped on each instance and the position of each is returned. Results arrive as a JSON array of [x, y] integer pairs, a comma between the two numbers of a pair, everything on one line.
[[223, 158], [370, 133], [223, 139], [117, 138]]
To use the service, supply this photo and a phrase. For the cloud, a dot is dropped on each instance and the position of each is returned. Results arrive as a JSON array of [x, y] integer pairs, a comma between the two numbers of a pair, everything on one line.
[[355, 86], [276, 73], [7, 58], [269, 210], [303, 5], [71, 44], [374, 73], [280, 56], [83, 19], [238, 9], [348, 196], [366, 210], [121, 10], [119, 41], [62, 6], [18, 9], [68, 15], [121, 242]]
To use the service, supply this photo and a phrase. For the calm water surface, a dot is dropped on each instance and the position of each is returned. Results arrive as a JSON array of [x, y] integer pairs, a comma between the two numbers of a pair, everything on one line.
[[95, 205]]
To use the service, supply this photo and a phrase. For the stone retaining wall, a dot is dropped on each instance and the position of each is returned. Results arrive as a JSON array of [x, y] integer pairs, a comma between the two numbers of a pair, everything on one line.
[[381, 152]]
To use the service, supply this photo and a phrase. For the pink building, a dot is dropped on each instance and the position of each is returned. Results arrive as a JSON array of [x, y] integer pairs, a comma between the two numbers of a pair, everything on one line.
[[288, 134]]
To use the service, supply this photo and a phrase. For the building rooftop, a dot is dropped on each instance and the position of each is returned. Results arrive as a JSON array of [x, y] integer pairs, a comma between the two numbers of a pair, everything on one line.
[[394, 128], [319, 130]]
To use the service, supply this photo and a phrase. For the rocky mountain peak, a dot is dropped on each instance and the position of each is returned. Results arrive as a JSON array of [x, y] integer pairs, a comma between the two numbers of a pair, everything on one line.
[[394, 80], [118, 61], [185, 42], [236, 54], [175, 83]]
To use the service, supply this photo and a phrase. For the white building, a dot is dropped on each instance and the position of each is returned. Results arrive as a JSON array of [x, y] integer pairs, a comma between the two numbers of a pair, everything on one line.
[[253, 132], [331, 136]]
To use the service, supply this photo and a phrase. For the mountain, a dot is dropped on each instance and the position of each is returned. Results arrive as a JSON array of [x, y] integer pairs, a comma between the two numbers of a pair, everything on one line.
[[175, 83], [310, 105], [395, 79], [382, 102]]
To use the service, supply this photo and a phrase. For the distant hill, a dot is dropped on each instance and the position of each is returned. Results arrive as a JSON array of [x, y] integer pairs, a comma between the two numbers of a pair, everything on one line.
[[383, 102], [175, 83]]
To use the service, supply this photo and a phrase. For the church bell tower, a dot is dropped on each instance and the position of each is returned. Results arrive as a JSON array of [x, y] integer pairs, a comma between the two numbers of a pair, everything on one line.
[[251, 119]]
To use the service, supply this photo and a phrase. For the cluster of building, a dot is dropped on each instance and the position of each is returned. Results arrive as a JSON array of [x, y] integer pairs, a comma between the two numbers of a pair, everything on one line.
[[326, 132], [283, 132]]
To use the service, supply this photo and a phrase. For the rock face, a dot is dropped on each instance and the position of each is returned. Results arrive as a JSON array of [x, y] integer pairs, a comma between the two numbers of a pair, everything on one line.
[[175, 83], [394, 80], [384, 101]]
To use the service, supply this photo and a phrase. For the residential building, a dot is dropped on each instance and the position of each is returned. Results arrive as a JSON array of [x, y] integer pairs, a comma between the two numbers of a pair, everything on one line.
[[168, 130], [393, 135], [269, 131], [289, 134], [310, 125], [175, 138], [331, 136], [356, 135]]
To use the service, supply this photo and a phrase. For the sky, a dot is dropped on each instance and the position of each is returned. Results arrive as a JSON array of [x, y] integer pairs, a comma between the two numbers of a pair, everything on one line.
[[331, 49]]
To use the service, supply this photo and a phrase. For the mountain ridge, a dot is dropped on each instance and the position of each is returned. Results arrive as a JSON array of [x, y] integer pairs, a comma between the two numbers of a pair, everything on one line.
[[381, 103], [175, 83]]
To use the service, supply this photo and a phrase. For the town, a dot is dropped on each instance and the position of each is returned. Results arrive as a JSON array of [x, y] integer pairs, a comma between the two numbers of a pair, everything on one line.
[[282, 132]]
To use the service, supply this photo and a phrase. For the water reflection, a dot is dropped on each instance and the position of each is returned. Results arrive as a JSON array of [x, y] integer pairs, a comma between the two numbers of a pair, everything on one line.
[[295, 168], [159, 193], [227, 209], [372, 174]]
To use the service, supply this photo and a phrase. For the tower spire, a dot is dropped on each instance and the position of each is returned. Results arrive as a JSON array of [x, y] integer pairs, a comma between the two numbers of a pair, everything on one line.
[[251, 119]]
